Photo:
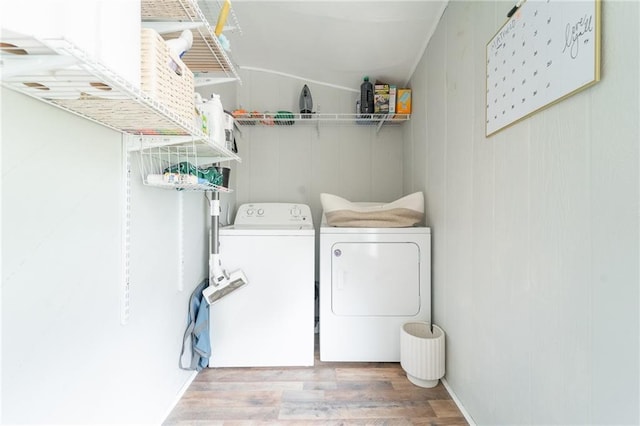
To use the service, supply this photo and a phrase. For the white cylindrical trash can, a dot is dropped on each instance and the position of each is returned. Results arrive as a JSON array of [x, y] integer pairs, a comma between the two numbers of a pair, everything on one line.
[[422, 354]]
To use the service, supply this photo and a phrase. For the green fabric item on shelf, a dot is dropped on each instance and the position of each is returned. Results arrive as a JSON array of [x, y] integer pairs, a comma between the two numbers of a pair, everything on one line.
[[183, 168], [208, 173], [211, 174]]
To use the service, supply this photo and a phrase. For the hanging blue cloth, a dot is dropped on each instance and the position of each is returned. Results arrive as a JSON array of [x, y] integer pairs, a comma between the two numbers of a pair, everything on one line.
[[196, 337]]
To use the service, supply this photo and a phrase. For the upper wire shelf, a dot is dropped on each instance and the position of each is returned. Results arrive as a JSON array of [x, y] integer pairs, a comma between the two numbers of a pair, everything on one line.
[[211, 9], [57, 72], [206, 58]]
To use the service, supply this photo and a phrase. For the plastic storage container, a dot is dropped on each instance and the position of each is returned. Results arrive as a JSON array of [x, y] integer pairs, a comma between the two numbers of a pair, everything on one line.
[[422, 354]]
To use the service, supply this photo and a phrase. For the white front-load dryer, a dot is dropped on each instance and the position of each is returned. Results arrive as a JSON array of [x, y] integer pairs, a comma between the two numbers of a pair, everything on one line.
[[269, 321], [372, 280]]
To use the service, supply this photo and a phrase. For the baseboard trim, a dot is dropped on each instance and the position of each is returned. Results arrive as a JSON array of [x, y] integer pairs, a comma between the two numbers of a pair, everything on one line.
[[464, 412], [179, 395]]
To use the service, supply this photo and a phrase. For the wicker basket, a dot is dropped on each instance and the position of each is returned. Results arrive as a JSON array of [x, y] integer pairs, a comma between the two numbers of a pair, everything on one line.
[[165, 77]]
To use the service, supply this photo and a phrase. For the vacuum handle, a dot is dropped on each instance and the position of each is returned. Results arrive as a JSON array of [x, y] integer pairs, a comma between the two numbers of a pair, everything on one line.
[[214, 208]]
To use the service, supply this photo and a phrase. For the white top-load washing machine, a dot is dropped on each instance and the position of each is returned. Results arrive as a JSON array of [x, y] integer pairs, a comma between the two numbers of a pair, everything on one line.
[[372, 280], [270, 321]]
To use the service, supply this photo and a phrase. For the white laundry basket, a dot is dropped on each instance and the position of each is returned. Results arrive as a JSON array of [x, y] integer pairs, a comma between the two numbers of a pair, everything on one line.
[[422, 354]]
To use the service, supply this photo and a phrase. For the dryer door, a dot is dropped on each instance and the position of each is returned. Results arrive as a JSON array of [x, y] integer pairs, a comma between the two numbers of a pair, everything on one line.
[[375, 279]]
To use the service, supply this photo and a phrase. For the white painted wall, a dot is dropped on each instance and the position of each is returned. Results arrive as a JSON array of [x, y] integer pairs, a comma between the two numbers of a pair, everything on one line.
[[535, 230], [65, 356]]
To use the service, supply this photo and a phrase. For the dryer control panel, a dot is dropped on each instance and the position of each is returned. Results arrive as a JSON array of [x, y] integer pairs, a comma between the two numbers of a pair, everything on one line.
[[274, 215]]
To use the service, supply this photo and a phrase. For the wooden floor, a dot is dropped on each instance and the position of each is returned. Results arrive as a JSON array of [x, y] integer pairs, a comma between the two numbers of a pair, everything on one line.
[[325, 394]]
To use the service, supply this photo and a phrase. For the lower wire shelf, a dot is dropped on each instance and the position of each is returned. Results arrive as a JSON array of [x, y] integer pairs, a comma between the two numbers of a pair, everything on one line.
[[181, 168], [283, 118]]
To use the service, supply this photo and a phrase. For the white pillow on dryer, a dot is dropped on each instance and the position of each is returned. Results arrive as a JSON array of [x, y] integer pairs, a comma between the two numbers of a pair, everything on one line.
[[403, 212]]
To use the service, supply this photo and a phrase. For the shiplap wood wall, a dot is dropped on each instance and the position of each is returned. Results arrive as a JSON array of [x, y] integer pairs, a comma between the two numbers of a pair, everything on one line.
[[535, 230]]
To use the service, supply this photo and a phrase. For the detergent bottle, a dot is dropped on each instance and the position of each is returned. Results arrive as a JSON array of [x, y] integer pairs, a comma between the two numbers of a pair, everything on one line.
[[200, 120], [215, 119], [366, 97]]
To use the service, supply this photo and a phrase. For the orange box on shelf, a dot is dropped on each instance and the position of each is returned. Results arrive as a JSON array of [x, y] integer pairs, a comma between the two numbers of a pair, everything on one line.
[[403, 104]]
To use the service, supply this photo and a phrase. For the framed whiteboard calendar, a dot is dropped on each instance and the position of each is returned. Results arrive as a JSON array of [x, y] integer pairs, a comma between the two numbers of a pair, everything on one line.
[[546, 51]]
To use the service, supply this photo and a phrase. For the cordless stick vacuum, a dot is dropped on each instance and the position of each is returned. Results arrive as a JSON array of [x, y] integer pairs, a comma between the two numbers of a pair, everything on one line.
[[221, 283]]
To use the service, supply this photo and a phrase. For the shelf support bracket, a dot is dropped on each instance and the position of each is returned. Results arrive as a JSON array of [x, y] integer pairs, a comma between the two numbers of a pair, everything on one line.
[[383, 119]]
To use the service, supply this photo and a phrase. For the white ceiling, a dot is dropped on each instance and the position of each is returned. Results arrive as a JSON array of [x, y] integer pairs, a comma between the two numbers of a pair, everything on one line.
[[334, 42]]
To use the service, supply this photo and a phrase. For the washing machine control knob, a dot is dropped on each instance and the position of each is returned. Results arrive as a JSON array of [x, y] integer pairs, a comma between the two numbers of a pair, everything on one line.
[[260, 212], [295, 212], [250, 212]]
